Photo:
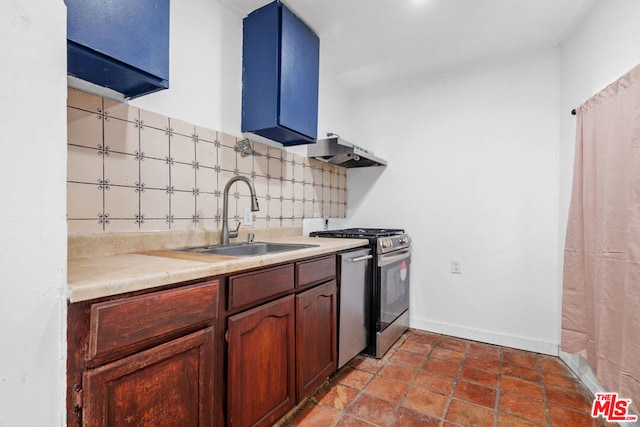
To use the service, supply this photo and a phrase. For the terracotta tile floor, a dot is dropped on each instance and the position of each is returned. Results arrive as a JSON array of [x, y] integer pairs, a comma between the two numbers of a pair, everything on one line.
[[434, 380]]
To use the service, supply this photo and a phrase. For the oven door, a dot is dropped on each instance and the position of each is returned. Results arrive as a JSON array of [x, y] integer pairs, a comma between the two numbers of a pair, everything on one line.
[[393, 281]]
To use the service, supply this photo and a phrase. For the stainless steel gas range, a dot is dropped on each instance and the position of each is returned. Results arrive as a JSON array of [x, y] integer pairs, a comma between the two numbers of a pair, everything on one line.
[[386, 297]]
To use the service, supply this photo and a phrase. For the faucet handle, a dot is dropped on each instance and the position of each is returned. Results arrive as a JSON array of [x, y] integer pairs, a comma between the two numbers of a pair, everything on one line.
[[234, 233]]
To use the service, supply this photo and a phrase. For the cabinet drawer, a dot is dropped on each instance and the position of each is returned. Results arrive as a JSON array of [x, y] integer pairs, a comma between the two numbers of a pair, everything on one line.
[[315, 271], [125, 325], [245, 289]]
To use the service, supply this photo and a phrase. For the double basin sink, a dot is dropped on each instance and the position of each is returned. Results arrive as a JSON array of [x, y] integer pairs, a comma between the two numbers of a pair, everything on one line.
[[247, 249]]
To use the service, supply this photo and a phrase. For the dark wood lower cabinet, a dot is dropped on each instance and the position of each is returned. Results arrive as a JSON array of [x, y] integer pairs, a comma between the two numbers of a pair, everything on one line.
[[149, 388], [156, 358], [146, 359], [270, 369], [316, 343], [261, 383]]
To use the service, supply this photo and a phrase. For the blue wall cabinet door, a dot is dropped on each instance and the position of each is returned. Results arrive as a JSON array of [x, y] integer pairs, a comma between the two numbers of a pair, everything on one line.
[[119, 44], [280, 67]]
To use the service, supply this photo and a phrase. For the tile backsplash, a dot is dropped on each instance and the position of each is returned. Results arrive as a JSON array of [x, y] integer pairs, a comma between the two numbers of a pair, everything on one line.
[[134, 170]]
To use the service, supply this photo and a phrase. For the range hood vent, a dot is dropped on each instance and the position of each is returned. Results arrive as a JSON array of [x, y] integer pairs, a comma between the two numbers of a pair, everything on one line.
[[337, 151]]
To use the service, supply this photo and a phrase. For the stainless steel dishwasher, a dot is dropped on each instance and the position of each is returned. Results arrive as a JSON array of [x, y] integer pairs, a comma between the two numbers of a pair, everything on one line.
[[354, 282]]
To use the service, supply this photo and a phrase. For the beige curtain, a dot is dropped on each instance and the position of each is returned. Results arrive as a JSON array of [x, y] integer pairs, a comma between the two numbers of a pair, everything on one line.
[[601, 287]]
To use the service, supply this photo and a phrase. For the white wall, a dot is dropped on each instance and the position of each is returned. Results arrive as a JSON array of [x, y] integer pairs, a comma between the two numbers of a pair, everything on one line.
[[476, 159], [333, 107], [33, 229], [205, 84], [472, 175]]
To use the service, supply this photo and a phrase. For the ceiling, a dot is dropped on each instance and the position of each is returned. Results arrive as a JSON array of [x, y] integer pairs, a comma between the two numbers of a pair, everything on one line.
[[365, 43]]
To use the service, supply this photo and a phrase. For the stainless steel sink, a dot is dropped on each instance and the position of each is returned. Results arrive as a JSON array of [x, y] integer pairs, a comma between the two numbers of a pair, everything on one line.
[[247, 249]]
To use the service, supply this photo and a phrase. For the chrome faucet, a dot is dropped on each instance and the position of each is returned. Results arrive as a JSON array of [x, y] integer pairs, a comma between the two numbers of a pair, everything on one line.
[[226, 234]]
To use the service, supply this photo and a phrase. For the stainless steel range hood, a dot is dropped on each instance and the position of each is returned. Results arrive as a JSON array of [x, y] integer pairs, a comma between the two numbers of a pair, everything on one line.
[[339, 152]]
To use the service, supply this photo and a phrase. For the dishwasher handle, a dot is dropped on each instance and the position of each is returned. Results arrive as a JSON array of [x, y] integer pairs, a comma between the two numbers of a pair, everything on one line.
[[361, 258]]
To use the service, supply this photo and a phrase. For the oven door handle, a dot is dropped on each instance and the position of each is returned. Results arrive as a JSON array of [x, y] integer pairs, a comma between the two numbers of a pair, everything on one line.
[[361, 258], [384, 260]]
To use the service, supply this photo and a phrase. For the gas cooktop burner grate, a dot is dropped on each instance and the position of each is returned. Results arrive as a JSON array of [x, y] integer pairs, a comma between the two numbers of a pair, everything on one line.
[[358, 232]]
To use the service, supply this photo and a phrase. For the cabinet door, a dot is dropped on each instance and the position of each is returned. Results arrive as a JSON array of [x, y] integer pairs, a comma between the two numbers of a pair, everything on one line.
[[299, 68], [169, 385], [261, 386], [316, 341], [280, 69], [123, 45]]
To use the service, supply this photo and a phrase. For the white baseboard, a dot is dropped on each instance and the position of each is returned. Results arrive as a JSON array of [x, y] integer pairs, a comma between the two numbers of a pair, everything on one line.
[[581, 368], [583, 371], [513, 341]]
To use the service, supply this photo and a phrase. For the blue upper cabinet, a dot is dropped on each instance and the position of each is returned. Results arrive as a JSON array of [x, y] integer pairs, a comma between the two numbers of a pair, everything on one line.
[[280, 58], [119, 44]]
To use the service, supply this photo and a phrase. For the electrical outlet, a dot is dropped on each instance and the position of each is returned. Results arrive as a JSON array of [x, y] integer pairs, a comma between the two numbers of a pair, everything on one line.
[[456, 266], [248, 216]]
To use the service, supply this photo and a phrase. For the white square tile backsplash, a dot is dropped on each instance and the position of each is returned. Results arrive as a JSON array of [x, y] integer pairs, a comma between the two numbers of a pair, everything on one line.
[[134, 170]]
